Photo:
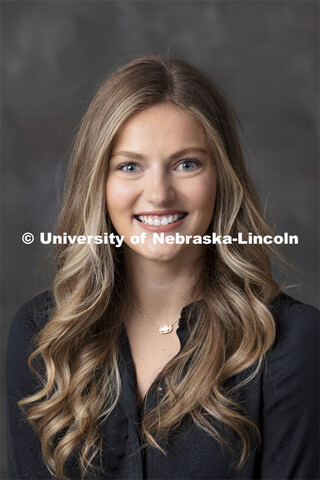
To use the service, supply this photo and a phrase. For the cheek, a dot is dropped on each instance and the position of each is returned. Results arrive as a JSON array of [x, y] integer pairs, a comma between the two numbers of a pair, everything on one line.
[[119, 196], [204, 193]]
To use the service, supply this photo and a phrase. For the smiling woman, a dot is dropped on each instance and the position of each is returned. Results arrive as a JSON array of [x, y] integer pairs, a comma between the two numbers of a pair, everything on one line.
[[162, 360], [166, 187]]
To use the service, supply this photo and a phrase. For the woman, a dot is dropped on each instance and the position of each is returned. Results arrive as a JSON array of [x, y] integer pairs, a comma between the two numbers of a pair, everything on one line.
[[162, 360]]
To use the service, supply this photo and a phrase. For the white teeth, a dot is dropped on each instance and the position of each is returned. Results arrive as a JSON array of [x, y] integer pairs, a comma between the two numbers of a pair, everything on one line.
[[149, 220]]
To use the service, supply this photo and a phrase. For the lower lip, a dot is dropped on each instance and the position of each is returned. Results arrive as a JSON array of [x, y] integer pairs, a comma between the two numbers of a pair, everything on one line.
[[161, 228]]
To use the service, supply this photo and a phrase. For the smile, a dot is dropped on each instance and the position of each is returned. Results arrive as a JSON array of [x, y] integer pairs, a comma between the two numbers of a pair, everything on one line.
[[157, 220]]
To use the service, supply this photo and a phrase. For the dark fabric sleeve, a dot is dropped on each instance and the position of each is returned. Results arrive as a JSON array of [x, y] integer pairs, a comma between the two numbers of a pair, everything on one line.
[[23, 446], [290, 434]]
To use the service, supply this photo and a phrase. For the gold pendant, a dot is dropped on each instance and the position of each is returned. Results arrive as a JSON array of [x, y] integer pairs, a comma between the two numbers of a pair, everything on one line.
[[165, 329]]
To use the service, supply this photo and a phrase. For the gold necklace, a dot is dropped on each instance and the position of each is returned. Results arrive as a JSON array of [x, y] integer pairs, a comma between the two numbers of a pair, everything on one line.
[[163, 328]]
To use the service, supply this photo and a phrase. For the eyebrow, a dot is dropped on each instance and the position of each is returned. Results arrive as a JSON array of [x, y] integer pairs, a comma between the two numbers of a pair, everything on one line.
[[139, 156]]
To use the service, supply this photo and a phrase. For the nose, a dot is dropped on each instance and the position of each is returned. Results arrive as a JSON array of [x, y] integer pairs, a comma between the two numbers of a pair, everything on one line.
[[159, 189]]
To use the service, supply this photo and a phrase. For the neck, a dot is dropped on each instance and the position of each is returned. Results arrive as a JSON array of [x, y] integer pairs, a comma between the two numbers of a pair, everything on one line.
[[160, 288]]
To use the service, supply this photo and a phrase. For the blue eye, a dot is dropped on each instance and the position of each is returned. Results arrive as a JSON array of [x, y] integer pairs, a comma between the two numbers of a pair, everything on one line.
[[189, 164], [128, 167]]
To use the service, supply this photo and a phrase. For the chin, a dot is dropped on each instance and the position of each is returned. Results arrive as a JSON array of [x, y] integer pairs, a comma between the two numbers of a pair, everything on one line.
[[161, 254]]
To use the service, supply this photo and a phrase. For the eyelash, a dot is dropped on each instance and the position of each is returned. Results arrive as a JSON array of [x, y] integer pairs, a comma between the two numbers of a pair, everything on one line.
[[192, 160], [185, 160]]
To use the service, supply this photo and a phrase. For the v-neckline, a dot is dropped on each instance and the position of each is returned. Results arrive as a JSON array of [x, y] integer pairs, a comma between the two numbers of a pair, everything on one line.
[[129, 393]]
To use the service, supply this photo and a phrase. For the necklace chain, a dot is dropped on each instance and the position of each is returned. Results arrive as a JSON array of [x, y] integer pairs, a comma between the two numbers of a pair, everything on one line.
[[167, 328]]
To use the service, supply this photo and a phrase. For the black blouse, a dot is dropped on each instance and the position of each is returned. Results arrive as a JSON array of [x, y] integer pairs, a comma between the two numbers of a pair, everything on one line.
[[283, 400]]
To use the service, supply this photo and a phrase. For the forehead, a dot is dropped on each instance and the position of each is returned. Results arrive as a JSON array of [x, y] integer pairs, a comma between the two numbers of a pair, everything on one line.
[[162, 126]]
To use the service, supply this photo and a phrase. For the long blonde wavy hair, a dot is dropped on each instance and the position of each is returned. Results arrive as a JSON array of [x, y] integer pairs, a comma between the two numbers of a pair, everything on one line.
[[78, 347]]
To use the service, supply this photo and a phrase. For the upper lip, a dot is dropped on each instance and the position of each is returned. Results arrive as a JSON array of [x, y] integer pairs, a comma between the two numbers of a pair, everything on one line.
[[160, 212]]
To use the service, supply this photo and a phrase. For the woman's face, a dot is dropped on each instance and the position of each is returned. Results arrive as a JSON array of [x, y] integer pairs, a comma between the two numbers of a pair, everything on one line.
[[160, 179]]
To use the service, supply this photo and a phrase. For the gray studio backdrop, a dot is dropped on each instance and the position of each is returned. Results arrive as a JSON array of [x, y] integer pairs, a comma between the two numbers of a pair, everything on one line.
[[264, 54]]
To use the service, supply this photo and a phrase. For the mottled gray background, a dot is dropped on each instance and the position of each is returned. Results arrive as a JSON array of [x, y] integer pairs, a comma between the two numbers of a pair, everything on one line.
[[54, 53]]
